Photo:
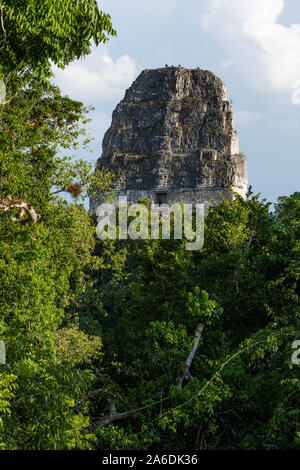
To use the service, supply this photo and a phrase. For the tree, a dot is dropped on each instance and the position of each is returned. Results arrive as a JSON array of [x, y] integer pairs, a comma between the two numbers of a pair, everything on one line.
[[240, 389], [35, 34], [37, 126], [42, 272], [45, 243]]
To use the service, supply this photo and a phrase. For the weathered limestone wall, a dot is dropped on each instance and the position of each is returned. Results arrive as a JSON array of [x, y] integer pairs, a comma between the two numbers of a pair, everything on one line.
[[174, 133]]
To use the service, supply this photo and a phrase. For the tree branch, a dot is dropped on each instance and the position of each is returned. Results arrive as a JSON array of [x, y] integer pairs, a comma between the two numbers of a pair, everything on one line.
[[106, 420], [113, 414], [186, 374], [26, 208], [2, 25]]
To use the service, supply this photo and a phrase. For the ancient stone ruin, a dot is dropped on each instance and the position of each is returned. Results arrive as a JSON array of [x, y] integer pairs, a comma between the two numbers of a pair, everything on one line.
[[172, 139]]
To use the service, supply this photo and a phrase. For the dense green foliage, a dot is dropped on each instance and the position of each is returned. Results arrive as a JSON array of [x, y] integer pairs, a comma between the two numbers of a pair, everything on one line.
[[33, 34], [42, 267], [42, 272], [98, 333], [244, 287]]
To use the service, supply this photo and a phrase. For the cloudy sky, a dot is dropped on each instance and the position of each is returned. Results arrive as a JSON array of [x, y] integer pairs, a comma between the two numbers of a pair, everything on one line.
[[252, 45]]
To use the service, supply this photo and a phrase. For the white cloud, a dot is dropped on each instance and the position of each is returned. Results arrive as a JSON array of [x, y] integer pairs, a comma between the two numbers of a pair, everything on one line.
[[97, 76], [264, 51]]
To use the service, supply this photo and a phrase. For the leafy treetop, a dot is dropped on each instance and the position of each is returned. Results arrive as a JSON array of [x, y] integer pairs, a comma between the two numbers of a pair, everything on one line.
[[35, 34]]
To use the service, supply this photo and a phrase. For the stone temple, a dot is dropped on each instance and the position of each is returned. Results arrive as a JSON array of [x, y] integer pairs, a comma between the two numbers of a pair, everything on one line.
[[172, 139]]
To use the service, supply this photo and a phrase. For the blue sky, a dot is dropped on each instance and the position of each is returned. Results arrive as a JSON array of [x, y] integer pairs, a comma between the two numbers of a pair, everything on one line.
[[252, 45]]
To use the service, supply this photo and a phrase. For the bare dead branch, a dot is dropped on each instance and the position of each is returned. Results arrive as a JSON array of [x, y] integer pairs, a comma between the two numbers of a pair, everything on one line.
[[26, 209], [2, 24], [106, 420], [186, 374]]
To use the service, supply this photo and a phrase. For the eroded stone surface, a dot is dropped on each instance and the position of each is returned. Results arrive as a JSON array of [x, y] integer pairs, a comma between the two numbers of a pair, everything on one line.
[[174, 133]]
